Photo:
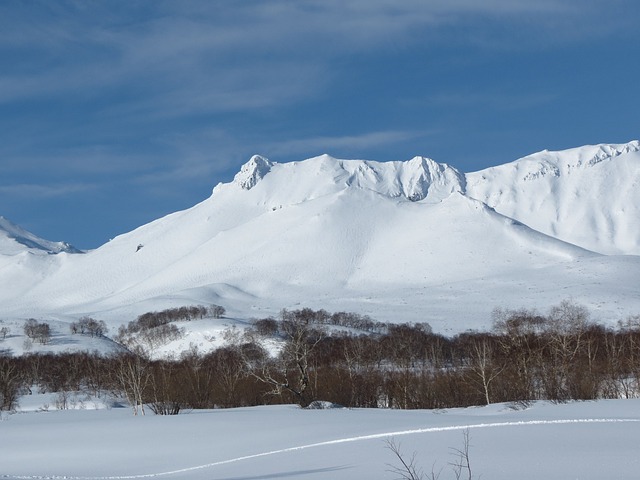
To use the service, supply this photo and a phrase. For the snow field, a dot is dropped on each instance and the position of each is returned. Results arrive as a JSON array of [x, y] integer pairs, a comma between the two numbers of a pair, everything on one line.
[[586, 440]]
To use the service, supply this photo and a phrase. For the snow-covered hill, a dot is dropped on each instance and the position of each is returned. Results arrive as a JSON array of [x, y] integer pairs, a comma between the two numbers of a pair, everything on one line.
[[16, 240], [588, 196], [401, 241]]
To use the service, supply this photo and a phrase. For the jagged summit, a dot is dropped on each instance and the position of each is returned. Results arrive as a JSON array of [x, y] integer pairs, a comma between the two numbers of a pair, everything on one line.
[[417, 179], [253, 171], [586, 196], [14, 239]]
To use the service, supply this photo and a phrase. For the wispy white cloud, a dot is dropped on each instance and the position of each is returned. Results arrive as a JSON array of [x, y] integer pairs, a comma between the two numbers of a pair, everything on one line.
[[313, 146], [496, 100], [205, 50], [94, 160], [43, 191]]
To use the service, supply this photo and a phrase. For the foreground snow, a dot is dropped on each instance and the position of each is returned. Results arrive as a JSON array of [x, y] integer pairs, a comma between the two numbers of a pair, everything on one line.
[[587, 440]]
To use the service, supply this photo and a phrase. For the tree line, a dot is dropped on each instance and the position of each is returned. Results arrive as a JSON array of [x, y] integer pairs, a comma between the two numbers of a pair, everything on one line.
[[558, 356]]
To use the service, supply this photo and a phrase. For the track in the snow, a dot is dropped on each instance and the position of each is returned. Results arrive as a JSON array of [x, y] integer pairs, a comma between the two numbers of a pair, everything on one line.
[[321, 444]]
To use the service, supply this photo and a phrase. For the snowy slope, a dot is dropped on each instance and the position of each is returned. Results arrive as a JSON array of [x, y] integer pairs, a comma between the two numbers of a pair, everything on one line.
[[15, 240], [401, 241], [62, 340], [26, 258], [588, 196]]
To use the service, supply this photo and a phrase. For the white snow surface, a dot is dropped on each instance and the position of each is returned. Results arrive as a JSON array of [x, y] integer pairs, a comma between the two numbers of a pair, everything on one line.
[[15, 239], [585, 440], [588, 196], [399, 241]]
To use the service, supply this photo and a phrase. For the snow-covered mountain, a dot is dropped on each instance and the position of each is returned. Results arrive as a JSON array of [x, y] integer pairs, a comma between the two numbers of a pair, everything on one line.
[[401, 241], [15, 239], [588, 196]]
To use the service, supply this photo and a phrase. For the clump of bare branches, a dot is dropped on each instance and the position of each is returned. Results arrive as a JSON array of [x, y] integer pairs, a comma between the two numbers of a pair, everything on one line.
[[462, 465], [408, 468]]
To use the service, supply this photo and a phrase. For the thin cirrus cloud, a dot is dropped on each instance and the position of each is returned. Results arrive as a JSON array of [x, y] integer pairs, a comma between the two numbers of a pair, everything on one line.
[[497, 100], [93, 161], [180, 61], [343, 143], [244, 88], [174, 49], [43, 191]]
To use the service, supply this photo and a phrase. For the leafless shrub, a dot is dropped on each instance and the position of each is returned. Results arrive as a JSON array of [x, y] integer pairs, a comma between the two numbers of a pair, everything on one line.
[[462, 465], [407, 467]]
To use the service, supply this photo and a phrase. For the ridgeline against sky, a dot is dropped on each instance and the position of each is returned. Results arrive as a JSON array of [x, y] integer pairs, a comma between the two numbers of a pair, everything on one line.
[[415, 240], [116, 113]]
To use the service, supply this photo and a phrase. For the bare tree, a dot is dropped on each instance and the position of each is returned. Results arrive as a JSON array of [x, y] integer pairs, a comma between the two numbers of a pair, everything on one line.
[[37, 331], [89, 326], [229, 372], [133, 376], [566, 331], [168, 391], [483, 364], [216, 311], [290, 372], [518, 334], [10, 383], [199, 378]]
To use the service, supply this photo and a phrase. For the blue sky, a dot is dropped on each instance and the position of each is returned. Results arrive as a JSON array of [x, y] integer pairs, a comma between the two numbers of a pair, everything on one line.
[[116, 113]]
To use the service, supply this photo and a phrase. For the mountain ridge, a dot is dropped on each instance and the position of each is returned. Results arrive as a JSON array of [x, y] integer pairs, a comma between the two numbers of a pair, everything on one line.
[[412, 178], [10, 232], [588, 195], [410, 241]]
